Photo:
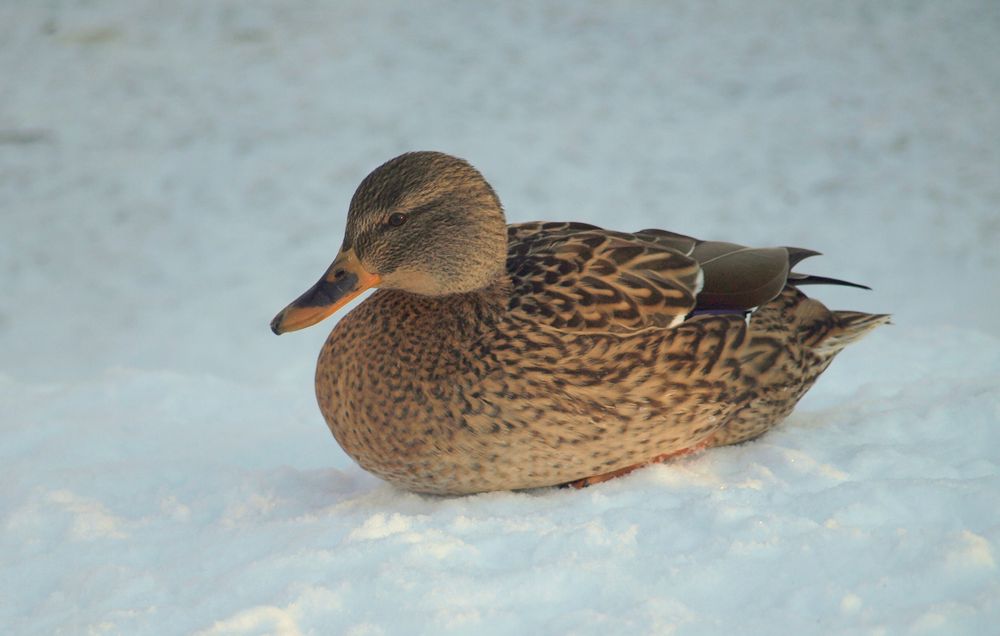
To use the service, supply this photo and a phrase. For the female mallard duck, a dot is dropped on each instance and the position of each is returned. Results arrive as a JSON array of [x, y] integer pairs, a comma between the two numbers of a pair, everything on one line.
[[498, 357]]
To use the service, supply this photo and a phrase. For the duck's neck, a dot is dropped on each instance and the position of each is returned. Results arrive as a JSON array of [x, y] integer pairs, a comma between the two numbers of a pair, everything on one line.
[[431, 335], [464, 313]]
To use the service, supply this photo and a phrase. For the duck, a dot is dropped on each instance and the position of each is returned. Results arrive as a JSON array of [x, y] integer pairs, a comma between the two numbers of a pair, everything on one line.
[[494, 357]]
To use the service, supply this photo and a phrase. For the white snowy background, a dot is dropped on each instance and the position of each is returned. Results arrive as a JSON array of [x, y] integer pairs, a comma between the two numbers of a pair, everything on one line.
[[173, 173]]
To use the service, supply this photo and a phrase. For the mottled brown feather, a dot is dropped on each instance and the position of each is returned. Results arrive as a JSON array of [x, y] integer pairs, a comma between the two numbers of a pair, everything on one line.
[[581, 278]]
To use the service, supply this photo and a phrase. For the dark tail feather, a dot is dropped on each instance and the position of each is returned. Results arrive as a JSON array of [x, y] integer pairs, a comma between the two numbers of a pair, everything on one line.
[[798, 254], [809, 279]]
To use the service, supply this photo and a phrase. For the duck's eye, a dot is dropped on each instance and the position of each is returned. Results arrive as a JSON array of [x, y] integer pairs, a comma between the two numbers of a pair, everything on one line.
[[397, 219]]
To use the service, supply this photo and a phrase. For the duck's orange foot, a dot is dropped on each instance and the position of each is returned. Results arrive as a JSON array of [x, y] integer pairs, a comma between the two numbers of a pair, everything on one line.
[[596, 479]]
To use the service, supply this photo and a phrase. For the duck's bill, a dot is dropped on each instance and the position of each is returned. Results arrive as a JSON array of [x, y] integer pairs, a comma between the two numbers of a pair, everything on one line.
[[345, 279]]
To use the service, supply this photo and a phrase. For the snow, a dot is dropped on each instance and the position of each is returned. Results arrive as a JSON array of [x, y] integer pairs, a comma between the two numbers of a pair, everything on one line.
[[171, 175]]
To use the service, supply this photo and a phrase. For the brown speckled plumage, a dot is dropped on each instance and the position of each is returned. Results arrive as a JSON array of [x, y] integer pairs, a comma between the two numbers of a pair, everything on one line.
[[592, 351]]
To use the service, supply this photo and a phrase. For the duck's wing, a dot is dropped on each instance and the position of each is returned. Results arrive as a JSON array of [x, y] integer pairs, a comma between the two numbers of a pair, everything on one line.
[[740, 278], [581, 278], [736, 277]]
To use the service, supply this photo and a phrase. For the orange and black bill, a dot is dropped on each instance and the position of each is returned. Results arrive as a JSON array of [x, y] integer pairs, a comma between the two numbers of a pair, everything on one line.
[[344, 280]]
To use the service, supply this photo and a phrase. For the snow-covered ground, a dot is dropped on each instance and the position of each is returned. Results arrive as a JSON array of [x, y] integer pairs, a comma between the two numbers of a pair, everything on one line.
[[172, 174]]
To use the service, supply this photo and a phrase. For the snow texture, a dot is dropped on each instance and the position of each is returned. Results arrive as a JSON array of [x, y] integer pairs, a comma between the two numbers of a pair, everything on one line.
[[172, 174]]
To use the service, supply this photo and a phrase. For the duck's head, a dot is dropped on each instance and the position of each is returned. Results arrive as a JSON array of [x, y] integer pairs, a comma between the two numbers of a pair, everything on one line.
[[425, 223]]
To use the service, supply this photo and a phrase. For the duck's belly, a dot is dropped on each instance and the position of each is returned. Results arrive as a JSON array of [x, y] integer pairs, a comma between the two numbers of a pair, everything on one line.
[[499, 415]]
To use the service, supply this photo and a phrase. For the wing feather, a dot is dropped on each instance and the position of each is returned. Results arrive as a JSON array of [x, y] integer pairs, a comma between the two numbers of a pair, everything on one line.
[[581, 278], [578, 277]]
